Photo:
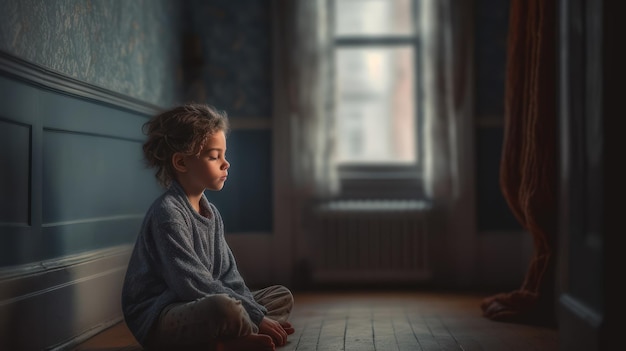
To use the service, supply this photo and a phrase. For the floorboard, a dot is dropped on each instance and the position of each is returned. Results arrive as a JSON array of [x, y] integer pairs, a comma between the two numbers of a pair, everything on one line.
[[383, 321]]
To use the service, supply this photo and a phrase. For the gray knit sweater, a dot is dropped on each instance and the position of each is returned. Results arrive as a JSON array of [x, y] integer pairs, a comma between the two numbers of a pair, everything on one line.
[[179, 256]]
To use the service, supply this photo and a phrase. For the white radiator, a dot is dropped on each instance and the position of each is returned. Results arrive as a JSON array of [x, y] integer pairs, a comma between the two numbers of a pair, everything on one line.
[[371, 241]]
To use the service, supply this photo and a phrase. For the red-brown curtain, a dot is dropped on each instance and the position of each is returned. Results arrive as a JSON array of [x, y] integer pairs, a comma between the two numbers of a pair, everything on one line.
[[529, 163]]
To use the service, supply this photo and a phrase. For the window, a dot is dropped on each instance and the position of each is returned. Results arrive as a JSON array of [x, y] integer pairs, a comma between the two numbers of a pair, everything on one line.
[[377, 85]]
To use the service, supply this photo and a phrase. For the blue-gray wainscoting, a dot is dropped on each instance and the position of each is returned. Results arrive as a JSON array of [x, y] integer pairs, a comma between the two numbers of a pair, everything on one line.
[[73, 191]]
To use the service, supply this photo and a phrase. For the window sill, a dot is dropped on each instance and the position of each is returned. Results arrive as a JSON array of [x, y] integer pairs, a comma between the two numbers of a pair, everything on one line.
[[378, 206]]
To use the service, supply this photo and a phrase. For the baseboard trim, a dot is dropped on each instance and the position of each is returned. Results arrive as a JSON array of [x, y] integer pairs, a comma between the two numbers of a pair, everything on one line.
[[582, 324], [64, 301], [15, 272], [72, 343]]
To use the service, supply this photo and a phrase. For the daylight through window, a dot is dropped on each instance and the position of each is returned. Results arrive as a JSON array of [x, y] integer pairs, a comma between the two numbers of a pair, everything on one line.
[[375, 57]]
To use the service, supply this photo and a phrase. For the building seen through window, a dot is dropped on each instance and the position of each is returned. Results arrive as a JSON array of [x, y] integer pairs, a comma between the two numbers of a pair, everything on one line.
[[375, 77]]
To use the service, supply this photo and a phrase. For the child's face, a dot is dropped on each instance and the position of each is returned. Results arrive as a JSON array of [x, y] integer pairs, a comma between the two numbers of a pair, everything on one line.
[[209, 169]]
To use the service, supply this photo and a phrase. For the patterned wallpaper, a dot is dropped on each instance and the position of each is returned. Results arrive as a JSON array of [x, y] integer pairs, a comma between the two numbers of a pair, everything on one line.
[[141, 48], [234, 72], [127, 46]]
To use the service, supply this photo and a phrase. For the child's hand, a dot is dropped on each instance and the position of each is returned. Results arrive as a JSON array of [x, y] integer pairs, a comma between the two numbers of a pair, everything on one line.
[[288, 327], [277, 331]]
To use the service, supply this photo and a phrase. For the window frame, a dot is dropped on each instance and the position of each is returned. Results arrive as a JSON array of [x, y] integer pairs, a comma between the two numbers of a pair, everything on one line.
[[356, 178]]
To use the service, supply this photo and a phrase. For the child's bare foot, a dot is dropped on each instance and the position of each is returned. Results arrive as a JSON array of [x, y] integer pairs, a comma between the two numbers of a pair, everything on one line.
[[252, 342]]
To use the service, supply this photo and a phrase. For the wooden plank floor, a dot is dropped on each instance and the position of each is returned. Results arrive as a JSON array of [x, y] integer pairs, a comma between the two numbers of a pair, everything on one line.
[[384, 321]]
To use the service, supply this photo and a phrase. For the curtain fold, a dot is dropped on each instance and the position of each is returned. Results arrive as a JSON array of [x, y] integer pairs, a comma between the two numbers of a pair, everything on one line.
[[448, 93], [446, 28], [529, 161], [304, 120], [307, 44]]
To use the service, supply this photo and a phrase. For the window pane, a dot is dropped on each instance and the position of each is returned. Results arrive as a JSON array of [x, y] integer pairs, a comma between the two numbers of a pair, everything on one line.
[[376, 105], [373, 17]]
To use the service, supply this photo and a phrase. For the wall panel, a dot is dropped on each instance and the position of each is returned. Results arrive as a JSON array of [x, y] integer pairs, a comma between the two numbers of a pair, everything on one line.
[[35, 103], [76, 296], [15, 173], [72, 178], [73, 192], [89, 176], [18, 203]]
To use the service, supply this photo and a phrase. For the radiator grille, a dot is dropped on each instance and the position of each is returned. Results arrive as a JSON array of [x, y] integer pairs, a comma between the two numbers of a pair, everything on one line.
[[372, 241]]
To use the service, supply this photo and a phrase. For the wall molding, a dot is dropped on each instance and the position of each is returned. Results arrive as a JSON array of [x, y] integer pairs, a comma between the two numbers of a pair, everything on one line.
[[14, 272], [49, 79], [47, 288], [64, 301]]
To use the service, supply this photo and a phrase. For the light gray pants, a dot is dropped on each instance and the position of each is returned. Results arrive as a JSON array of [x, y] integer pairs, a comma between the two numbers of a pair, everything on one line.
[[204, 320]]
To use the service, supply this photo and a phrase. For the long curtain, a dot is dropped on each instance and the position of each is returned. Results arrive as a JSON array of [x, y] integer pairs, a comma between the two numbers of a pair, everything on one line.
[[528, 162], [447, 41], [304, 121], [307, 52]]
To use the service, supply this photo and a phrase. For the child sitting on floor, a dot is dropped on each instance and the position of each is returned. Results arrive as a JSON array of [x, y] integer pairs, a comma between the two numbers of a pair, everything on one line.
[[182, 287]]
